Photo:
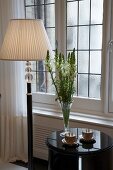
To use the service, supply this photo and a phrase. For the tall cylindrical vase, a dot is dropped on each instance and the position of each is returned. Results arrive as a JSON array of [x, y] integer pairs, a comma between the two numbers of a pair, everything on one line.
[[66, 107]]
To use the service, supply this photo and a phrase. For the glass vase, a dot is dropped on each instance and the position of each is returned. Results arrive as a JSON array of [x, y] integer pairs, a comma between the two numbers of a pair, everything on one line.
[[66, 107]]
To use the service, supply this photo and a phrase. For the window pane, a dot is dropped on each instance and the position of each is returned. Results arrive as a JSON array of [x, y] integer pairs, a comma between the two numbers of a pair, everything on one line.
[[84, 12], [38, 82], [94, 87], [96, 37], [29, 2], [83, 85], [39, 2], [83, 37], [49, 1], [95, 62], [44, 1], [50, 87], [30, 12], [34, 82], [71, 38], [42, 82], [40, 12], [96, 8], [75, 94], [33, 65], [51, 35], [83, 60], [50, 15], [72, 13]]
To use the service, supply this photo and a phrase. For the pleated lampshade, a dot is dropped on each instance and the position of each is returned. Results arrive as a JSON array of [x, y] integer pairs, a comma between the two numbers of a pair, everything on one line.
[[25, 40]]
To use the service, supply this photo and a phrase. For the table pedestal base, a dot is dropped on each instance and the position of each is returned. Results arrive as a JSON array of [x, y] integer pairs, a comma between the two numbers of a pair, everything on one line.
[[58, 161]]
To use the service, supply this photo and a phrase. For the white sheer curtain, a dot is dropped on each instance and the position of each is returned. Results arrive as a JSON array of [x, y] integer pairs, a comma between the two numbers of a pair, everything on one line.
[[13, 122]]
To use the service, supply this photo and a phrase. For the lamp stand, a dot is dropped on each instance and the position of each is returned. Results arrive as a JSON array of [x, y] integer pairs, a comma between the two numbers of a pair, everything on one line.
[[29, 126], [29, 78]]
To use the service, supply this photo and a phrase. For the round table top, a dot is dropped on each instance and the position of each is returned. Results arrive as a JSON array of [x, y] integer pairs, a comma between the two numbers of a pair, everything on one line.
[[100, 143]]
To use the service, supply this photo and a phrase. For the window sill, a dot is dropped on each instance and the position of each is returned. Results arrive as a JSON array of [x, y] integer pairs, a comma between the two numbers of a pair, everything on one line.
[[103, 121]]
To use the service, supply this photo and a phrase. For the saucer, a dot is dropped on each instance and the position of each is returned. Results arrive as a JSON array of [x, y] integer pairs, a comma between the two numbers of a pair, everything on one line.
[[72, 144], [82, 140]]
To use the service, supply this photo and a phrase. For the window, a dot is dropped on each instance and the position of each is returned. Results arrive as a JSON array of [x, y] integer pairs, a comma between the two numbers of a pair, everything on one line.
[[84, 32], [79, 24], [45, 10]]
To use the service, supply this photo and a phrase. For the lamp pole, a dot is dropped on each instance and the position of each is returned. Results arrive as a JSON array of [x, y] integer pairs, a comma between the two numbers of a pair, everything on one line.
[[29, 78], [30, 129]]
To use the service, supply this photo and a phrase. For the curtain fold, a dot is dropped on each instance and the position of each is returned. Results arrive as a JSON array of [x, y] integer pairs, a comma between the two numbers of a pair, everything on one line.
[[13, 120]]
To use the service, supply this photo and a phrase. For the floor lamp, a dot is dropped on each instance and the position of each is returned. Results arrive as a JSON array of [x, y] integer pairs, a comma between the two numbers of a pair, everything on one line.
[[26, 40]]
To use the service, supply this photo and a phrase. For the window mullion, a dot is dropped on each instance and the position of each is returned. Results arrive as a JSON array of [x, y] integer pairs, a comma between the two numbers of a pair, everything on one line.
[[60, 25]]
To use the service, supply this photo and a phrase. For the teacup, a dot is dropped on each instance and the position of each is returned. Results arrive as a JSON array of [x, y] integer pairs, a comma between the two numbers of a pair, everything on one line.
[[70, 138], [87, 134]]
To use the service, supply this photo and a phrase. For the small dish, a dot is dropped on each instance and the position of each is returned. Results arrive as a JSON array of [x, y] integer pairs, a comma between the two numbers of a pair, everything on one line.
[[82, 140], [69, 144]]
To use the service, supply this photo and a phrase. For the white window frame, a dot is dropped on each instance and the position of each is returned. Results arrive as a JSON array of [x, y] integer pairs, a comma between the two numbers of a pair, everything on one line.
[[110, 52], [82, 105]]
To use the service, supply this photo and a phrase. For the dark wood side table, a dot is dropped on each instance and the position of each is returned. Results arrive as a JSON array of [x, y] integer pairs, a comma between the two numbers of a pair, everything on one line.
[[85, 156]]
